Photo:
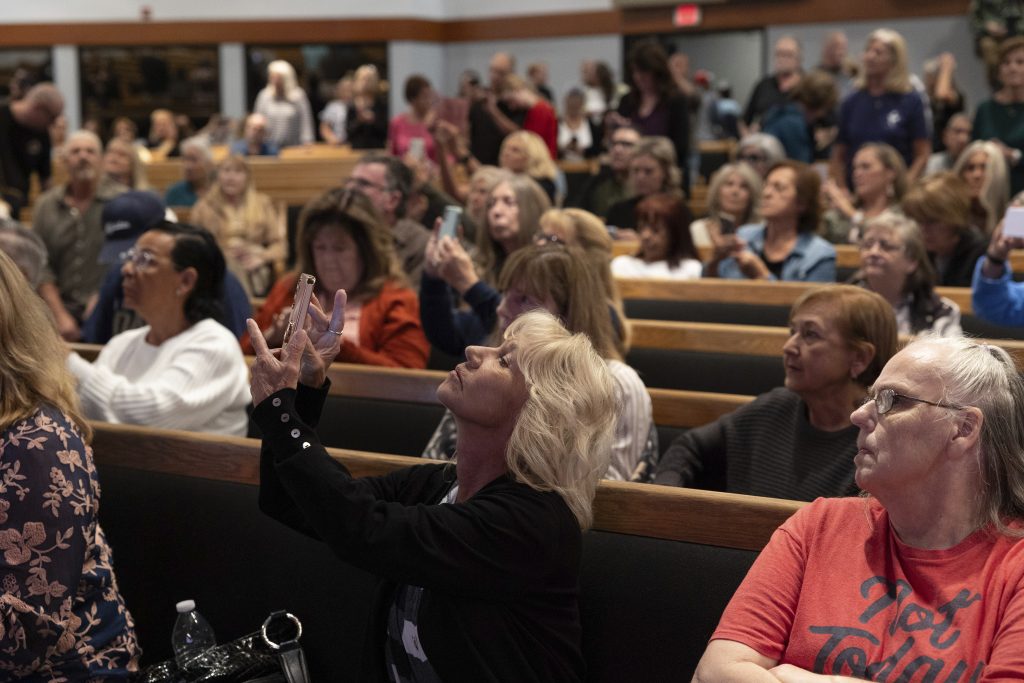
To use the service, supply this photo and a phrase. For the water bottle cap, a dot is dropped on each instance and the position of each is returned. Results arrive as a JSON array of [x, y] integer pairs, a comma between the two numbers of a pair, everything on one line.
[[185, 606]]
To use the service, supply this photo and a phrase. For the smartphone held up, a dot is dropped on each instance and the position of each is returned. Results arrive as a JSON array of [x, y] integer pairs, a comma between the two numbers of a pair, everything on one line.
[[300, 305]]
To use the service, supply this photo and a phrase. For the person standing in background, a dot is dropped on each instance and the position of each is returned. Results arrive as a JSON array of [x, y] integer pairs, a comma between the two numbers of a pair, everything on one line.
[[334, 117], [285, 106], [25, 142]]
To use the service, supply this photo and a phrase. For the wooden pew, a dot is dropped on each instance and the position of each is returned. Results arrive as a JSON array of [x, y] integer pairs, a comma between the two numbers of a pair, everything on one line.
[[759, 292], [180, 513], [294, 181], [672, 408]]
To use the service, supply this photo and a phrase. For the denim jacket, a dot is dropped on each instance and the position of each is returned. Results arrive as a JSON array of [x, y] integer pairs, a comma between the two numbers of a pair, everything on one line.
[[813, 259]]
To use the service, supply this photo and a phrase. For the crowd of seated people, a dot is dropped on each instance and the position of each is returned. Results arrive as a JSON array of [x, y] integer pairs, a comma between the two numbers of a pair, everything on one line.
[[168, 299]]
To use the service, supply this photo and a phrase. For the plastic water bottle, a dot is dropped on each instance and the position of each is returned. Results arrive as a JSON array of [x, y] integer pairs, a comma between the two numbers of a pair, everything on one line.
[[192, 634]]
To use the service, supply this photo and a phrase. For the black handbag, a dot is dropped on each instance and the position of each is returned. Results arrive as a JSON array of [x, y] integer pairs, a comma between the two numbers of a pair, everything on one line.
[[271, 655]]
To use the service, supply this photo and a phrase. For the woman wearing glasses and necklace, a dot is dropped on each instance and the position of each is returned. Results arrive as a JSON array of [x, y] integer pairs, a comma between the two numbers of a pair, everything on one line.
[[183, 369], [921, 580]]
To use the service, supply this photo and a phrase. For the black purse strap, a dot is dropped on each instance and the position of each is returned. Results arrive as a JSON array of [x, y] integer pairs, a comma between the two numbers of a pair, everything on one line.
[[288, 650]]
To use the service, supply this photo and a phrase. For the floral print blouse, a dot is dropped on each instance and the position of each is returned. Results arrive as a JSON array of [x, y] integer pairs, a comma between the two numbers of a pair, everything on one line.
[[61, 615]]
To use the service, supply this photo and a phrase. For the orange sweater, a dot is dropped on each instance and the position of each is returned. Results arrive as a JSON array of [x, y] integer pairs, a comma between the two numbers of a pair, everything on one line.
[[390, 332]]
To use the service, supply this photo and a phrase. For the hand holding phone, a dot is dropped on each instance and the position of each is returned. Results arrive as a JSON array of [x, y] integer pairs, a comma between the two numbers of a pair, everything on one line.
[[303, 293], [449, 225]]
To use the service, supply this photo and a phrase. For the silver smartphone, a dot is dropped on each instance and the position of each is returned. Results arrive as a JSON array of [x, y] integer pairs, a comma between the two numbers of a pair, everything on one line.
[[450, 222], [300, 306]]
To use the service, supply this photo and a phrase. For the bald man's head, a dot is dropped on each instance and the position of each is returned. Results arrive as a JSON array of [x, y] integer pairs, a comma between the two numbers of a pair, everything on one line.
[[39, 108]]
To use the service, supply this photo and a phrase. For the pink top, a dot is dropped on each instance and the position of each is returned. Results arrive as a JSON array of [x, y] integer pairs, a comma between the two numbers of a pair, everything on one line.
[[401, 132]]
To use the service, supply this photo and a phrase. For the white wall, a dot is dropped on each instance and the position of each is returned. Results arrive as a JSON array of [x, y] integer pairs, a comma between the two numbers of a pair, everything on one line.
[[926, 38], [563, 57], [406, 58], [733, 56]]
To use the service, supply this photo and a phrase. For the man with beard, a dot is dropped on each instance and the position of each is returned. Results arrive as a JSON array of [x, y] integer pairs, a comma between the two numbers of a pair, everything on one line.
[[69, 219]]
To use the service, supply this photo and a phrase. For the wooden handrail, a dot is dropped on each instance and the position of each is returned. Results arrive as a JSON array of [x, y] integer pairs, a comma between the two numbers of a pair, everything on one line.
[[706, 517]]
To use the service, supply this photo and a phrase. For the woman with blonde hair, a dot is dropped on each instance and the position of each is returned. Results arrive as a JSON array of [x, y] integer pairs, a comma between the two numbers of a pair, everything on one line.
[[563, 281], [514, 207], [524, 152], [733, 195], [490, 544], [983, 168], [49, 502], [367, 122], [941, 205], [587, 232], [885, 107], [343, 242], [163, 137], [249, 225], [879, 183], [285, 106], [121, 162]]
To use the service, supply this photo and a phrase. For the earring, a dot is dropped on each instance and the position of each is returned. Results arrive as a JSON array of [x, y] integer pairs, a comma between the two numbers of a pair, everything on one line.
[[179, 291]]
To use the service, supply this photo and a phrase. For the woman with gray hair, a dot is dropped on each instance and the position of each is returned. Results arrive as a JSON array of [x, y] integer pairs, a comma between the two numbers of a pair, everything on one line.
[[983, 168], [733, 196], [491, 545], [197, 168], [25, 248], [894, 263], [761, 151], [924, 575]]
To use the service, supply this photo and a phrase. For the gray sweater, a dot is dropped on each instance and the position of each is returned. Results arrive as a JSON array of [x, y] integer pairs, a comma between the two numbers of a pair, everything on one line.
[[766, 448]]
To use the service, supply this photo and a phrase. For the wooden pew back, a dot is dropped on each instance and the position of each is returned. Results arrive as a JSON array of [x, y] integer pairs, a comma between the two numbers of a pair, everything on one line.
[[180, 512]]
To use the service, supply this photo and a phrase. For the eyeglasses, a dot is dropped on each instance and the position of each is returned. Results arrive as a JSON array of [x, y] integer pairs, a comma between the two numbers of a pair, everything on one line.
[[623, 143], [364, 184], [887, 398], [547, 238], [752, 158], [890, 247], [140, 258]]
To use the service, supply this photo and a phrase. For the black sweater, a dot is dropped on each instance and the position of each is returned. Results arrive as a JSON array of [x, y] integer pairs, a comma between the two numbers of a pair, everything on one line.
[[766, 448], [500, 571]]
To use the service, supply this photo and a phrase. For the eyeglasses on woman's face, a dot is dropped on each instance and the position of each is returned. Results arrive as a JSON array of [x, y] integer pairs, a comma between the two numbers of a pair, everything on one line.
[[140, 258], [886, 399]]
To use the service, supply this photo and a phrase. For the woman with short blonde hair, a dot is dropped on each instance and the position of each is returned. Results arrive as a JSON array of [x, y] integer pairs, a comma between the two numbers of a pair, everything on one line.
[[525, 152], [490, 544]]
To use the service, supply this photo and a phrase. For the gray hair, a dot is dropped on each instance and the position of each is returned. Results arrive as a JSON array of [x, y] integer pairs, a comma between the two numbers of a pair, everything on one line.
[[985, 376], [749, 177], [663, 151], [25, 248], [201, 145], [769, 144]]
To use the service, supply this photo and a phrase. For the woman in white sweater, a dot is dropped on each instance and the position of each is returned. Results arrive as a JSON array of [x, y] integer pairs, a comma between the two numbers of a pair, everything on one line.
[[183, 370]]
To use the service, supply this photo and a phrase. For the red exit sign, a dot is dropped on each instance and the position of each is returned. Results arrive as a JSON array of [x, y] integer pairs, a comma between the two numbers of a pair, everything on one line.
[[686, 15]]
